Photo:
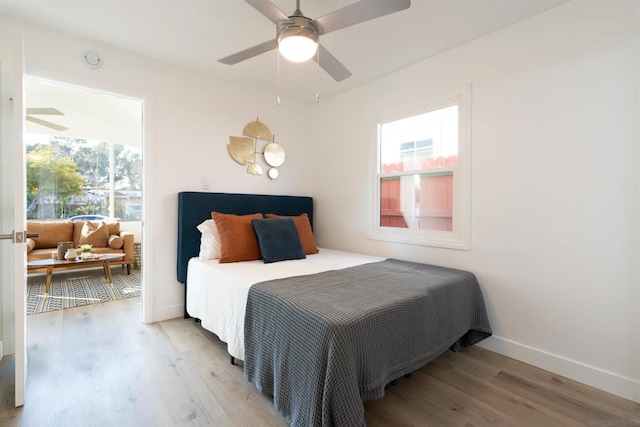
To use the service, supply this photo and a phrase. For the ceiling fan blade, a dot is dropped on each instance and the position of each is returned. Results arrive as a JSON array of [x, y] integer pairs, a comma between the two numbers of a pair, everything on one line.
[[46, 123], [355, 13], [331, 65], [269, 10], [249, 53], [45, 111]]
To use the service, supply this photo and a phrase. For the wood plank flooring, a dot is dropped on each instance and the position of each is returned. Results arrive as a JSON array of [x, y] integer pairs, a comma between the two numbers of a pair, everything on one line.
[[100, 366]]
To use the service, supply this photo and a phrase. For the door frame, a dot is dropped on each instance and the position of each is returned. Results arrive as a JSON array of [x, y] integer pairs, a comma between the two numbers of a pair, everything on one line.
[[148, 190], [13, 171]]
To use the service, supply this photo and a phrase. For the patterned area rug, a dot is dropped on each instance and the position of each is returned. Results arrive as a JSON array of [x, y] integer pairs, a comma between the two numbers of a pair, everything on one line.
[[75, 289]]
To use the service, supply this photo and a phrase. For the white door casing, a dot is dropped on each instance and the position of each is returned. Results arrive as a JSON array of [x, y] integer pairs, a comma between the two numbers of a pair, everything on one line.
[[12, 216]]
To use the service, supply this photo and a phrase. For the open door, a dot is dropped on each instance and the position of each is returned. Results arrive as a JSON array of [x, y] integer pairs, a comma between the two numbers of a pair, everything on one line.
[[12, 212]]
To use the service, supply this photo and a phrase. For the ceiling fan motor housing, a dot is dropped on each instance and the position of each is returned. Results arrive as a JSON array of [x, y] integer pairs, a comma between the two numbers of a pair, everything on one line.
[[298, 26]]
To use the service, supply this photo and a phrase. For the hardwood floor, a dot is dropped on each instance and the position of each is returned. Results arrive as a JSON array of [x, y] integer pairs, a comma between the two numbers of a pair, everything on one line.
[[100, 366]]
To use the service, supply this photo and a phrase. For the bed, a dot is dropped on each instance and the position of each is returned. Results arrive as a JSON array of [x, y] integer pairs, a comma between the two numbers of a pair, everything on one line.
[[326, 333]]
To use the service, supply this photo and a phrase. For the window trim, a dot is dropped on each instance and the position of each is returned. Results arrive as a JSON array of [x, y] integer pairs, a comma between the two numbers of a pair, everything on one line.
[[460, 236]]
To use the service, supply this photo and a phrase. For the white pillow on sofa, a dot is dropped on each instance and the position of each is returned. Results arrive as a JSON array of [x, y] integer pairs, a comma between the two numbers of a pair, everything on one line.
[[209, 241]]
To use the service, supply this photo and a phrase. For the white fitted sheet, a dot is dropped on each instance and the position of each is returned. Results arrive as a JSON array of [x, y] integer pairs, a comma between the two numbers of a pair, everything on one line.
[[217, 293]]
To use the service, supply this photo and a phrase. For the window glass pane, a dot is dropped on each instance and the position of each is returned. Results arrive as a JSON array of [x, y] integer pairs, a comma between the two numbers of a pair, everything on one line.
[[420, 142], [68, 177], [418, 201]]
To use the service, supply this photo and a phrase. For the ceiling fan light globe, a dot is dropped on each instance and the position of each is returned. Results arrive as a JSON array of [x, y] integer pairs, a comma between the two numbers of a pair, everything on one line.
[[298, 43], [298, 48]]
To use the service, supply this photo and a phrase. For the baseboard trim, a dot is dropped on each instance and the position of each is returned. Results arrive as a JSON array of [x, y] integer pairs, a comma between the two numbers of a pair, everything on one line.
[[610, 382], [169, 312]]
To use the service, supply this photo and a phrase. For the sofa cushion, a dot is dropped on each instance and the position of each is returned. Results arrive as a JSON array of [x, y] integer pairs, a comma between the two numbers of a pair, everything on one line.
[[95, 234], [37, 254], [50, 232], [113, 227], [77, 232], [115, 242], [107, 250], [31, 245]]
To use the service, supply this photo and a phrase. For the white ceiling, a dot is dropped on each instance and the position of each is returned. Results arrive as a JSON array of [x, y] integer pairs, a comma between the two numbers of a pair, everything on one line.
[[88, 114], [195, 34]]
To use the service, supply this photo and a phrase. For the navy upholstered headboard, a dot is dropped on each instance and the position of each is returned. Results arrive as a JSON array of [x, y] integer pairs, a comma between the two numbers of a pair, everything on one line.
[[195, 207]]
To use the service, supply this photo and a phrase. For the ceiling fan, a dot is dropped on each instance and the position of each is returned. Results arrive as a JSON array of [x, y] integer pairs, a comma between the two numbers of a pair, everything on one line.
[[45, 112], [297, 37]]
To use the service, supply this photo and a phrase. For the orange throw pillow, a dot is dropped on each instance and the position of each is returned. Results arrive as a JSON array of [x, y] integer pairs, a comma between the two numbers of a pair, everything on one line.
[[238, 241], [304, 232]]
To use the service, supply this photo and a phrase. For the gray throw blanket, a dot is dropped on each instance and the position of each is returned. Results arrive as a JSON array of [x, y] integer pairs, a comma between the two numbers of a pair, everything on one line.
[[324, 343]]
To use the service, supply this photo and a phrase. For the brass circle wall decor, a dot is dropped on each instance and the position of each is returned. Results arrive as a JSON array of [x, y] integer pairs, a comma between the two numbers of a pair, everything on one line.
[[274, 154], [244, 149]]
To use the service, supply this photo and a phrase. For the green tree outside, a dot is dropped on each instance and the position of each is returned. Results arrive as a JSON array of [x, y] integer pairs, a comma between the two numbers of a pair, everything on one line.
[[52, 179]]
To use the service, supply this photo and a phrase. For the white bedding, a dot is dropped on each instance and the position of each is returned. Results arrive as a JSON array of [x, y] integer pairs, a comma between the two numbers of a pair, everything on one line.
[[217, 293]]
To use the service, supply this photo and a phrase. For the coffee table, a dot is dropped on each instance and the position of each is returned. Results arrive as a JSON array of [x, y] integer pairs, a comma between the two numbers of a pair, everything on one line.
[[63, 264]]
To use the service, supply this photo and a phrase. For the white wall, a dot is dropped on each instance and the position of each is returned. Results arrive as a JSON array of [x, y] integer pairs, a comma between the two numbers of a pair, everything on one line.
[[193, 116], [555, 184]]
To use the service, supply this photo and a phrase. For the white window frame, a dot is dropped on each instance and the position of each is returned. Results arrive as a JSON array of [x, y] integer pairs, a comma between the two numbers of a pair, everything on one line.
[[460, 236]]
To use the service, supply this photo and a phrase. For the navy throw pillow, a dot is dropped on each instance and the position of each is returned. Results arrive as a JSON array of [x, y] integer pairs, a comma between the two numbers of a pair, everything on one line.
[[278, 239]]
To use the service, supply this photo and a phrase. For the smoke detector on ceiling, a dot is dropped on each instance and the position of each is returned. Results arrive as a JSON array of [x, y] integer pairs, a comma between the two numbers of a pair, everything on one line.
[[91, 59]]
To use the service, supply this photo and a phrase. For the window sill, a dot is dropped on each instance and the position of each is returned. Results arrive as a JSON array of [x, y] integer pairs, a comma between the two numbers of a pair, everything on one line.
[[438, 239]]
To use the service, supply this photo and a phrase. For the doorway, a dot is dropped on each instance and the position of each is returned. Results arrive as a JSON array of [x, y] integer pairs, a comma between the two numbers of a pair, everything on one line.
[[84, 165]]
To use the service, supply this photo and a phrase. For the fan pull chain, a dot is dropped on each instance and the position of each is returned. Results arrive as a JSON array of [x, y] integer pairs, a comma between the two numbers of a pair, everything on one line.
[[278, 82], [318, 74]]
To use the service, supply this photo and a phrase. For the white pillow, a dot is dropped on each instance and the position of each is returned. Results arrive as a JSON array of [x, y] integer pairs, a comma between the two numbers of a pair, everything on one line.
[[210, 240]]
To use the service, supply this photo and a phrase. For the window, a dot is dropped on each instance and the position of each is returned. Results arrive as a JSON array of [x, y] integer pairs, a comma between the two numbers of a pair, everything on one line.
[[79, 179], [422, 177]]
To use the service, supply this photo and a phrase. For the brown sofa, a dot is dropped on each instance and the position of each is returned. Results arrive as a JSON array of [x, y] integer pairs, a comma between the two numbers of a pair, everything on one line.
[[52, 232]]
